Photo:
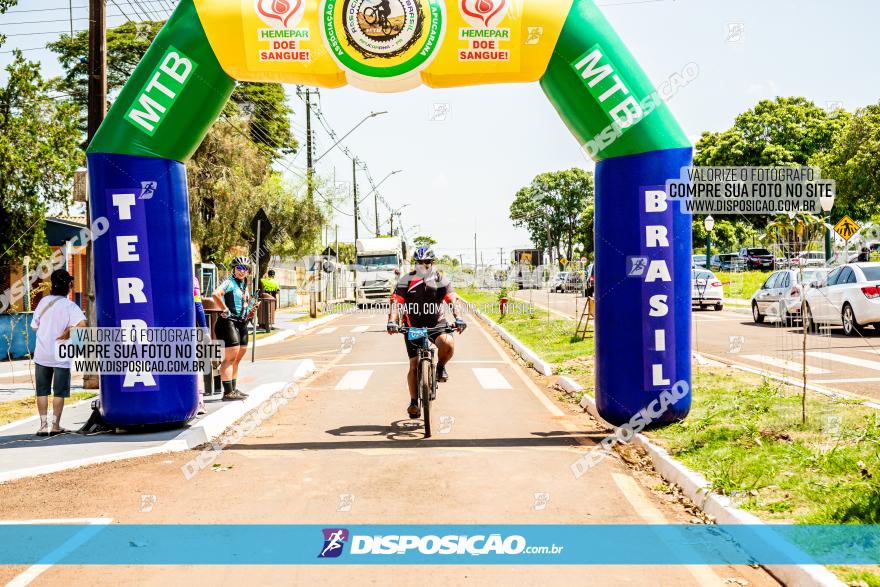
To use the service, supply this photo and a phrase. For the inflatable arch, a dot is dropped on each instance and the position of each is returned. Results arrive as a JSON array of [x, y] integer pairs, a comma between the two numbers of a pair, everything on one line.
[[144, 264]]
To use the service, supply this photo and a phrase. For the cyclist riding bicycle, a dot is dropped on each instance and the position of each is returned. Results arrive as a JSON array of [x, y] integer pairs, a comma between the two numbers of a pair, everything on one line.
[[383, 10], [420, 299]]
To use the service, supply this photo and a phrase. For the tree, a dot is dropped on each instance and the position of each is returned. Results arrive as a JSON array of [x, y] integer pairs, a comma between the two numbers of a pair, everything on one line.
[[853, 161], [262, 104], [551, 208], [38, 157], [794, 232], [424, 241], [4, 6], [784, 131], [229, 180]]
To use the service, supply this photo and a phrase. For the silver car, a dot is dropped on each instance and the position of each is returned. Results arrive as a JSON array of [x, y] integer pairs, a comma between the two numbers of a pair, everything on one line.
[[780, 295]]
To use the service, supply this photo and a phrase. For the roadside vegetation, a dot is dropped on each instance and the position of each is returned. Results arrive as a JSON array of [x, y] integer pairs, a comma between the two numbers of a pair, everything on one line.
[[742, 284], [744, 434], [22, 408]]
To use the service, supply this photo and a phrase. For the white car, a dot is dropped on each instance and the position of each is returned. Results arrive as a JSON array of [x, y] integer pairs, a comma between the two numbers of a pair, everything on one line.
[[780, 295], [849, 296], [558, 282], [706, 290], [809, 259]]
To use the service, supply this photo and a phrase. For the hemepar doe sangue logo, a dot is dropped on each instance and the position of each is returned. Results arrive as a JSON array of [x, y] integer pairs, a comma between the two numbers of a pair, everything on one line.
[[281, 13], [283, 40], [484, 13], [383, 38]]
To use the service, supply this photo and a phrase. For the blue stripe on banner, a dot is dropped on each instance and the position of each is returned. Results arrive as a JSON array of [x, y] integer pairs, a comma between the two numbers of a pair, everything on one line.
[[25, 544]]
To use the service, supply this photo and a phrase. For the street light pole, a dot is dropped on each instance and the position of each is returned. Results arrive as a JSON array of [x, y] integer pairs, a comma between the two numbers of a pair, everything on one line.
[[709, 224], [369, 116]]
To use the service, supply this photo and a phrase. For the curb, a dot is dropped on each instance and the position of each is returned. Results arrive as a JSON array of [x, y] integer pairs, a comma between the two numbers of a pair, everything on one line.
[[535, 362], [204, 431], [692, 484], [697, 489], [294, 329]]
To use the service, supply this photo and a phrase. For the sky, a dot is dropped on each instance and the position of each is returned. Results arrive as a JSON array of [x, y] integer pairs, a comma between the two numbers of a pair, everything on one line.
[[463, 153]]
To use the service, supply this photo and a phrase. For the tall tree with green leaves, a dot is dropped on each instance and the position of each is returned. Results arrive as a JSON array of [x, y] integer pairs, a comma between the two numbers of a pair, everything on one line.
[[424, 241], [853, 161], [552, 208], [263, 105], [780, 132], [38, 157]]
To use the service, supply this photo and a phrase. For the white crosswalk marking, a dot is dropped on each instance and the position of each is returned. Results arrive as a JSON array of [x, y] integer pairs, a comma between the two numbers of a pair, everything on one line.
[[491, 379], [354, 380], [329, 330], [359, 329], [865, 363], [785, 364]]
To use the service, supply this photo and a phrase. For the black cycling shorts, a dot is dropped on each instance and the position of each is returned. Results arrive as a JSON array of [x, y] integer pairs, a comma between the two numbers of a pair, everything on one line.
[[412, 349], [232, 332]]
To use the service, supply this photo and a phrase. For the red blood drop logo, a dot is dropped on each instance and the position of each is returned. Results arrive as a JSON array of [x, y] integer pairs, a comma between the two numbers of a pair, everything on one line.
[[280, 7], [279, 10], [484, 10]]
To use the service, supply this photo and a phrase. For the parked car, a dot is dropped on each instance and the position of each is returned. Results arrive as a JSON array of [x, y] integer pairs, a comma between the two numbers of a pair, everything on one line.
[[706, 290], [758, 258], [574, 282], [727, 262], [780, 295], [698, 262], [808, 259], [590, 281], [849, 296], [783, 262], [558, 282]]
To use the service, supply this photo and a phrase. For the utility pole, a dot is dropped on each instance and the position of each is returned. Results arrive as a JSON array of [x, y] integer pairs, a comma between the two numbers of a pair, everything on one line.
[[310, 170], [70, 7], [354, 183], [476, 267], [97, 109], [376, 208]]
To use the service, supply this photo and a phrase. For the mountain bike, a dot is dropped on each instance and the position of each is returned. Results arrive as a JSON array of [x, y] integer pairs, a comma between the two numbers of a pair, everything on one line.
[[426, 368]]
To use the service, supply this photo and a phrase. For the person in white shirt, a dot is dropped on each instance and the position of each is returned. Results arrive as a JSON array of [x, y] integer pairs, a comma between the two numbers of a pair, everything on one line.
[[53, 320]]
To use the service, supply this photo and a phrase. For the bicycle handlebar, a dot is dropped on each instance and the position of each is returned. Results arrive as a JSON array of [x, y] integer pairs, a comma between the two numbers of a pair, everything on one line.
[[442, 329]]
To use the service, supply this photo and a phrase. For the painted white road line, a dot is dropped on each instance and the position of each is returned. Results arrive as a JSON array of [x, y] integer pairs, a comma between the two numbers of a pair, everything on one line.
[[491, 379], [875, 352], [530, 385], [406, 363], [786, 364], [354, 380], [70, 545], [359, 329], [855, 380], [328, 330], [864, 363]]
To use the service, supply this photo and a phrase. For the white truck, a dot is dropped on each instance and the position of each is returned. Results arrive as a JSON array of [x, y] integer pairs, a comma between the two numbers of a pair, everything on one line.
[[379, 264]]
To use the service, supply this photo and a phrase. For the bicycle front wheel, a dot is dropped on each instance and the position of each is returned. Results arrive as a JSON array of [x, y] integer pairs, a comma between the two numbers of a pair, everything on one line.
[[370, 16], [425, 389]]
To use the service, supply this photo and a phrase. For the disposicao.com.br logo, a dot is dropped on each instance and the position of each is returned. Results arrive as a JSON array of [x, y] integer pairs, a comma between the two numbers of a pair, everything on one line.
[[393, 544]]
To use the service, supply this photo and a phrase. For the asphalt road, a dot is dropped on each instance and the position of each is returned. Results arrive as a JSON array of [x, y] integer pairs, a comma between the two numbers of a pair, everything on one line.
[[835, 362], [343, 452]]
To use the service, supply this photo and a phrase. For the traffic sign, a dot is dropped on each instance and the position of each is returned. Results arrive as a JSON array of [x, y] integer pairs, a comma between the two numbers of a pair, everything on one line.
[[583, 260], [563, 261], [846, 228]]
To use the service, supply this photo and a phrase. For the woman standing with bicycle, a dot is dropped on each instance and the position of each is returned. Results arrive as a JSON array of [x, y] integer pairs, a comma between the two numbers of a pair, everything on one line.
[[232, 326]]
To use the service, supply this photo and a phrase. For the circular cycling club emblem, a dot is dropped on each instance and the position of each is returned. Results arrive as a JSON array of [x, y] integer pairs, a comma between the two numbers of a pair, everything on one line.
[[383, 38]]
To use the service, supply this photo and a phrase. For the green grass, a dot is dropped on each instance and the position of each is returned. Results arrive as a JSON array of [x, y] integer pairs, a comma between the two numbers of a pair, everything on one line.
[[22, 408], [554, 339], [742, 284], [745, 435]]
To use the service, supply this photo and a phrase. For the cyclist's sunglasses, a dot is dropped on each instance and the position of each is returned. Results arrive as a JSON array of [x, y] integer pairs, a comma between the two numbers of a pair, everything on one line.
[[425, 262], [242, 267]]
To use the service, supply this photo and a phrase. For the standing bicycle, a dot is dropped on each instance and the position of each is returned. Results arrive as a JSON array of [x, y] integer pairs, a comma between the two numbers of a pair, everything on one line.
[[419, 302]]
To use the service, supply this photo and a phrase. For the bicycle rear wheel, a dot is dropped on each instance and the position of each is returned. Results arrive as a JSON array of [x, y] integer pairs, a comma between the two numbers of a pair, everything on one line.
[[425, 389]]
